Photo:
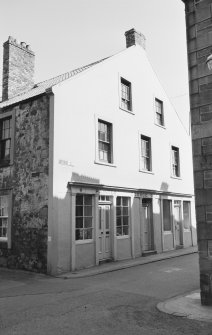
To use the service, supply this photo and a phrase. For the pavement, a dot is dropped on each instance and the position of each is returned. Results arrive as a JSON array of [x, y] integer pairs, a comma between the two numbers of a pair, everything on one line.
[[120, 265], [187, 306]]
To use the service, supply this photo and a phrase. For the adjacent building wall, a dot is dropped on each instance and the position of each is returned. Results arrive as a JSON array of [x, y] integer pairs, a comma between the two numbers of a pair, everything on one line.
[[199, 43], [27, 181]]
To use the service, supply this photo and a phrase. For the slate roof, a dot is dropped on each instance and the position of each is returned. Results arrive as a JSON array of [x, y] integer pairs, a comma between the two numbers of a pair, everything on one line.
[[41, 87]]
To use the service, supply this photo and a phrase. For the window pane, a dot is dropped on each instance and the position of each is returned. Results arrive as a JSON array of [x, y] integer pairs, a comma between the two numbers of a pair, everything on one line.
[[118, 201], [125, 201], [88, 199], [118, 231], [87, 222], [118, 221], [125, 210], [79, 222], [79, 234], [79, 199], [125, 230], [79, 210], [125, 220], [118, 211], [88, 211], [87, 234]]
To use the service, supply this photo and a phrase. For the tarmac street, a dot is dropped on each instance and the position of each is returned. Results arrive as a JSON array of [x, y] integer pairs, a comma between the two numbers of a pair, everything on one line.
[[118, 302]]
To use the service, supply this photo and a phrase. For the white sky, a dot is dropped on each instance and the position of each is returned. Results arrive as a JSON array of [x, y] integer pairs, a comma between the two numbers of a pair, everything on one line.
[[66, 34]]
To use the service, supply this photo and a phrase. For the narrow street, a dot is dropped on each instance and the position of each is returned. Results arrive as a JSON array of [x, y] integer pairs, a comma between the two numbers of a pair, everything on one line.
[[120, 302]]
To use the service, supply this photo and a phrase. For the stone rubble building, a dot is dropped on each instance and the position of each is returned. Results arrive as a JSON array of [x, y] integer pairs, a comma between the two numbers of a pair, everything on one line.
[[94, 164]]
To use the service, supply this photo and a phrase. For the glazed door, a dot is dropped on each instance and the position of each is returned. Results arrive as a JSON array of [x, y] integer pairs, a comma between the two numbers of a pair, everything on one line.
[[177, 223], [147, 225], [104, 232]]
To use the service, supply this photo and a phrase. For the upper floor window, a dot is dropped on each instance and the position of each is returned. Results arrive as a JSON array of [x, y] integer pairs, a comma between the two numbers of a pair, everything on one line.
[[122, 216], [175, 161], [126, 95], [4, 218], [145, 153], [159, 117], [84, 217], [105, 141], [5, 140]]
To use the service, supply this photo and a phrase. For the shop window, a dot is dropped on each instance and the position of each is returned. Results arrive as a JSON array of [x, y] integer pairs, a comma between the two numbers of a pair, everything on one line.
[[186, 214], [122, 216], [84, 217], [167, 218]]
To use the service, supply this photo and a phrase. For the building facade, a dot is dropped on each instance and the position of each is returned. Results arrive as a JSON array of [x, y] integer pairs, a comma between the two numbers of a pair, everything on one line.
[[199, 45], [99, 169]]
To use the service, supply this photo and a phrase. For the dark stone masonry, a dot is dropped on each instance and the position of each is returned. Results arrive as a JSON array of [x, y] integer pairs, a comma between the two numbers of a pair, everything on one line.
[[199, 45], [28, 180]]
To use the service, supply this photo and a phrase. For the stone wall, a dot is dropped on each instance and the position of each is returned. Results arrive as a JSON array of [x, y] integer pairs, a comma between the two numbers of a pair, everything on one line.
[[28, 179], [199, 44]]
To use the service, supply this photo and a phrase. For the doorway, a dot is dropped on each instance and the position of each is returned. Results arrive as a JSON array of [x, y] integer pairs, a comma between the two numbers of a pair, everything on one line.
[[104, 233]]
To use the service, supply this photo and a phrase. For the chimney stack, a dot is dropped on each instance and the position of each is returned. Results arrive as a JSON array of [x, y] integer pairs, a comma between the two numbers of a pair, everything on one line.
[[134, 37], [18, 68]]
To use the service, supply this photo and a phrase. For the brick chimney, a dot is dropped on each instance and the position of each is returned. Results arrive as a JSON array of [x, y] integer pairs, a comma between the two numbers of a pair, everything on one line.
[[134, 37], [18, 68]]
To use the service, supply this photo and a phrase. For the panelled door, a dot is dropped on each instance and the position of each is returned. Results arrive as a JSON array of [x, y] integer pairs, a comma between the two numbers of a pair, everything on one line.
[[104, 232], [147, 224], [177, 223]]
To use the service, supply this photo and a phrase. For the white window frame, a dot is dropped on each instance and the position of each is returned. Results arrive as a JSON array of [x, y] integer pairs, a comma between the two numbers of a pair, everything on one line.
[[9, 115], [156, 99], [7, 239], [129, 216], [120, 79], [97, 160], [172, 148], [81, 241], [140, 134]]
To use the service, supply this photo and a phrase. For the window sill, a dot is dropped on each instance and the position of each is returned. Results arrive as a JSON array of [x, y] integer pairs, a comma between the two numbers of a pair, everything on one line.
[[124, 237], [146, 171], [104, 163], [127, 110], [84, 241], [174, 177], [160, 125]]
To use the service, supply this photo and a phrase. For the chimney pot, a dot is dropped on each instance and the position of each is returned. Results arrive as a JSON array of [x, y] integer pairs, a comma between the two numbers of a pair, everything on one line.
[[134, 37]]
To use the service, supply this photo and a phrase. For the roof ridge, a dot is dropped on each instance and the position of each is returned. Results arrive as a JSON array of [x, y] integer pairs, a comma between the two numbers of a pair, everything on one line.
[[69, 74]]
